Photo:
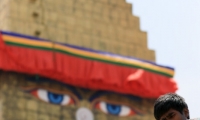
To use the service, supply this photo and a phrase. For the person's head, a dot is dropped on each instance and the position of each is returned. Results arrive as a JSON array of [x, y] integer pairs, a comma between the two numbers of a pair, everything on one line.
[[171, 107]]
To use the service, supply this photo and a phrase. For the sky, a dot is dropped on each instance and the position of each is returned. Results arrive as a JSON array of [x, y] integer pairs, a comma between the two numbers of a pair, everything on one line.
[[173, 28]]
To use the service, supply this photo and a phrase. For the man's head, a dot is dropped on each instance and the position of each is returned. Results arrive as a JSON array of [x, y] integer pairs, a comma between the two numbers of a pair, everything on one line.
[[171, 107]]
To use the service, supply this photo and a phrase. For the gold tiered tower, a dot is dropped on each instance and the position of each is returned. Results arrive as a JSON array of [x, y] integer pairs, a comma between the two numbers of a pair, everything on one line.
[[106, 25]]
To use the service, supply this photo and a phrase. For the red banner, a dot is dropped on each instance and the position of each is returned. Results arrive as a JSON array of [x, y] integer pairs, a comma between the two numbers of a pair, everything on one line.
[[82, 72]]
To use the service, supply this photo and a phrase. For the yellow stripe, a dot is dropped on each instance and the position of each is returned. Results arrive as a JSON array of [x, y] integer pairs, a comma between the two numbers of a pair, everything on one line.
[[86, 53], [27, 41]]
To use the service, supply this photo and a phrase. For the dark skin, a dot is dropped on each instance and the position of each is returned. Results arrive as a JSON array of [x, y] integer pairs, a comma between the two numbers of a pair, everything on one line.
[[175, 115]]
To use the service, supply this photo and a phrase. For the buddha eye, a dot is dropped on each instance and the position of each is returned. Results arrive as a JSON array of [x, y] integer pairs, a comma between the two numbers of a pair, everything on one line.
[[54, 98], [114, 109]]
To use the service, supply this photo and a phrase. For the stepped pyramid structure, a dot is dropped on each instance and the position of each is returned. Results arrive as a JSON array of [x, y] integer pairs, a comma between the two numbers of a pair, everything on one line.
[[77, 60], [106, 25]]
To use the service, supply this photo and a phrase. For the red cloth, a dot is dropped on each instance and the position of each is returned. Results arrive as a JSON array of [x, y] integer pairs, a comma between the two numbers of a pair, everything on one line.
[[83, 72]]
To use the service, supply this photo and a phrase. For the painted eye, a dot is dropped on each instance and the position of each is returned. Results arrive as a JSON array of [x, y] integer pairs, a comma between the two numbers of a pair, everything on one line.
[[54, 98], [114, 109]]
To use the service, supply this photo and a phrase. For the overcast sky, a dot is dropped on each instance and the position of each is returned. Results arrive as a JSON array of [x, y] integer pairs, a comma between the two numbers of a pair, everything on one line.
[[173, 28]]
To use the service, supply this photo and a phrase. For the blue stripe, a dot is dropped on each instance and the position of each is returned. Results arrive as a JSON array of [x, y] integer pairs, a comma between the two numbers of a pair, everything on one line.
[[23, 36]]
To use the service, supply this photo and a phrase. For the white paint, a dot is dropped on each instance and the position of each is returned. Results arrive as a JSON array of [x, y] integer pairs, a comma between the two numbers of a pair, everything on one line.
[[135, 76], [84, 114], [43, 95], [125, 110]]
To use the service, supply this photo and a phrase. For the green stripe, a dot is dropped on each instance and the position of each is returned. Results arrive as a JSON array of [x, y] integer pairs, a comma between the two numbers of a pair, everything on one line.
[[28, 46], [87, 57]]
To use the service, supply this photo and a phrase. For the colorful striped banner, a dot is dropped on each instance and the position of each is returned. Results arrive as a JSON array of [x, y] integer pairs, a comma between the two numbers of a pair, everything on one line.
[[36, 43], [83, 67]]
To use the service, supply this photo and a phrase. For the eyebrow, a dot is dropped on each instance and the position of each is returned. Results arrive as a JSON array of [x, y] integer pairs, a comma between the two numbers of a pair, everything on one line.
[[168, 115], [97, 94], [39, 79], [101, 93]]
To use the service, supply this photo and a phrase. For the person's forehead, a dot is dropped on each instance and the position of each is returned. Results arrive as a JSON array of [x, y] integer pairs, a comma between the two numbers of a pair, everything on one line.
[[168, 113]]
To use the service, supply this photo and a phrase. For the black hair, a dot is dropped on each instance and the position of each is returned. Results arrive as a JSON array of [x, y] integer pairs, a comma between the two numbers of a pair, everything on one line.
[[169, 101]]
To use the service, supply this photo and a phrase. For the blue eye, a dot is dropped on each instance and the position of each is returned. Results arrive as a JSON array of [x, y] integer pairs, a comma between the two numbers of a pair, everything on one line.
[[114, 109], [54, 98]]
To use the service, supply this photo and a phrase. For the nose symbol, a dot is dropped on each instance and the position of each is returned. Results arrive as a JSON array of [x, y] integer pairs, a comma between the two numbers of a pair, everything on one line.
[[84, 114]]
